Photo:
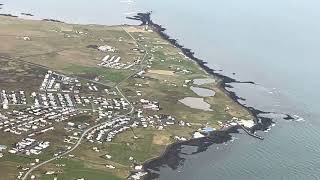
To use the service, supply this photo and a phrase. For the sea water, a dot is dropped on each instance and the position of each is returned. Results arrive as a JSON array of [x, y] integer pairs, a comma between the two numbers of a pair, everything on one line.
[[271, 42]]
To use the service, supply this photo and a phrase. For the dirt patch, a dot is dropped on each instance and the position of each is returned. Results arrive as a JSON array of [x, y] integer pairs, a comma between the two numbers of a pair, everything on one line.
[[162, 72], [9, 46], [77, 57], [161, 139], [8, 170], [134, 29]]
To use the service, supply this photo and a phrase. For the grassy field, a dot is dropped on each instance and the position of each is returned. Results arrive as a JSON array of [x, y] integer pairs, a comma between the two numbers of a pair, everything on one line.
[[65, 48], [74, 169], [106, 75]]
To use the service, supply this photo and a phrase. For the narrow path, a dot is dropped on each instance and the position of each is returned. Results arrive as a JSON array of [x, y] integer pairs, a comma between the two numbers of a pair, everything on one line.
[[142, 60]]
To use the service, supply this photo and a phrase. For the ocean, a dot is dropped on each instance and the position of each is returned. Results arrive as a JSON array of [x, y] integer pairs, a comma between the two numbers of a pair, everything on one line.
[[271, 42]]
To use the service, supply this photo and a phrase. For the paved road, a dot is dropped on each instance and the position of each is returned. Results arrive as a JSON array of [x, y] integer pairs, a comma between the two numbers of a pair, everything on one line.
[[91, 128], [125, 98], [79, 141], [142, 60], [65, 153]]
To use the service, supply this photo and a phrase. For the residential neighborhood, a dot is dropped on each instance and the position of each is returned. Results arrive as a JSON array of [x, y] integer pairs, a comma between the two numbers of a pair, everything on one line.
[[100, 102]]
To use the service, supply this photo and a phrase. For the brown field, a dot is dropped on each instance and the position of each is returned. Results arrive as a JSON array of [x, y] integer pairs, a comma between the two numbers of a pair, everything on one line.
[[161, 72], [161, 139]]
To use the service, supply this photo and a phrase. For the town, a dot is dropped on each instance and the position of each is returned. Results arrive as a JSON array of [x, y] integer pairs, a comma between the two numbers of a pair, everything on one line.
[[98, 102], [60, 98]]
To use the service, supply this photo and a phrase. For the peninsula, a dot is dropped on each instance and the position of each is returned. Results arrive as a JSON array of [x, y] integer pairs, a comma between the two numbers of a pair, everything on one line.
[[98, 102]]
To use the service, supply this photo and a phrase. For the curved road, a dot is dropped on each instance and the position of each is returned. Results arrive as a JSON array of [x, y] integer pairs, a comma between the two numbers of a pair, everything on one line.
[[65, 153], [26, 175], [79, 141]]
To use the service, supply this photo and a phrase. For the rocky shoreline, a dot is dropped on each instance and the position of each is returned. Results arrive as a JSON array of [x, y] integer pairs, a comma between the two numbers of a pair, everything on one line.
[[170, 156], [9, 15], [145, 18]]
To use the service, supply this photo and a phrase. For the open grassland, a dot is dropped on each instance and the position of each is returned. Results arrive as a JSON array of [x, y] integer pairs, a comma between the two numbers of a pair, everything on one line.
[[33, 47], [8, 170], [64, 47], [13, 76], [72, 169]]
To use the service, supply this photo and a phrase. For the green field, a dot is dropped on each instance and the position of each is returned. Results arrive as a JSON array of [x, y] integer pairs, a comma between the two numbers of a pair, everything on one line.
[[62, 48]]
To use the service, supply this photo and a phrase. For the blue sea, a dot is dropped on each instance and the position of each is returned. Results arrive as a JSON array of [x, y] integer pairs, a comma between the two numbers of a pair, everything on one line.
[[274, 43]]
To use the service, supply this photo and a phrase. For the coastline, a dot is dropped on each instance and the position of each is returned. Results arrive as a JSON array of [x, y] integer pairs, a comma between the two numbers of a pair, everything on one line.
[[145, 18], [170, 155], [252, 46]]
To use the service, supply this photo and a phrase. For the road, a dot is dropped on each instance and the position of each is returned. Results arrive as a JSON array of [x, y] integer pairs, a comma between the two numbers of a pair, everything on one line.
[[63, 154], [26, 175], [79, 141], [125, 98], [142, 60]]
